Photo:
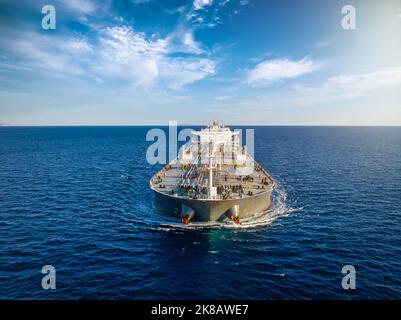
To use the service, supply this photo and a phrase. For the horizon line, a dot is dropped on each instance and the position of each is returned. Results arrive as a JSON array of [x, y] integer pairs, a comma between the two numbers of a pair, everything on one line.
[[198, 125]]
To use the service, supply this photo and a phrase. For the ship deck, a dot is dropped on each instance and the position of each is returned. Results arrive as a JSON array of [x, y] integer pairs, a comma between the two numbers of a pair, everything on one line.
[[190, 181]]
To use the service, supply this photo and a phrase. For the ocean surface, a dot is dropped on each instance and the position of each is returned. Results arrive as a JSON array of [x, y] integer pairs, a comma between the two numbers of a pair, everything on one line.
[[77, 198]]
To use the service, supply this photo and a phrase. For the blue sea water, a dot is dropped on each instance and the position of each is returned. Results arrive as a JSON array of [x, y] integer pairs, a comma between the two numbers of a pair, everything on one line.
[[77, 198]]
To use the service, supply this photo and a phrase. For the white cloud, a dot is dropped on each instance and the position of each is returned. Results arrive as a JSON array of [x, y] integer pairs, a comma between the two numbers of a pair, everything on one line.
[[380, 85], [189, 42], [77, 46], [118, 54], [370, 98], [182, 40], [273, 70], [125, 42], [224, 98], [323, 44], [56, 56], [176, 73], [199, 4], [353, 85], [211, 13], [223, 3], [86, 11], [81, 6], [127, 54]]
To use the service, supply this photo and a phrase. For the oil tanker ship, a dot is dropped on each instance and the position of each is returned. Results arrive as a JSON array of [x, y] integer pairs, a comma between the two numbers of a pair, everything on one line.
[[213, 178]]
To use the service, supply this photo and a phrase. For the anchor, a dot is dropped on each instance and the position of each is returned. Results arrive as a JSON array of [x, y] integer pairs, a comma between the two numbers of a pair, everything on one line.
[[185, 219], [186, 214], [234, 214], [235, 219]]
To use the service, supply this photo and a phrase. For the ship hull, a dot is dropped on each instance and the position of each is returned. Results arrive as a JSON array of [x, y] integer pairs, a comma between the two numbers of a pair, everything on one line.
[[212, 210]]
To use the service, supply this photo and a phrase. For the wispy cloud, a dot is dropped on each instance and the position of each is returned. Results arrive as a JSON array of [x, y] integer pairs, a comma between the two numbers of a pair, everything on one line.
[[84, 10], [149, 62], [182, 40], [47, 54], [346, 88], [81, 6], [211, 13], [353, 85], [117, 54], [224, 98], [323, 44], [278, 69], [199, 4]]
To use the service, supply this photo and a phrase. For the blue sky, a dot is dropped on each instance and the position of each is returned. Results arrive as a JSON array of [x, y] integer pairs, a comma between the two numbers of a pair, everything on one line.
[[125, 62]]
